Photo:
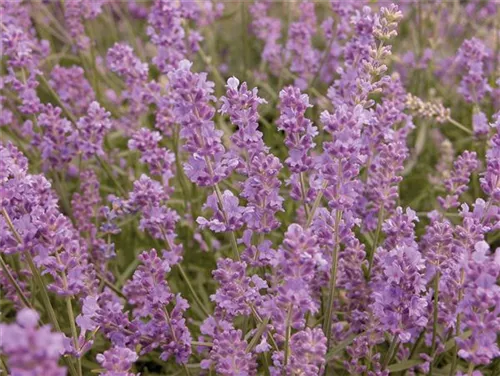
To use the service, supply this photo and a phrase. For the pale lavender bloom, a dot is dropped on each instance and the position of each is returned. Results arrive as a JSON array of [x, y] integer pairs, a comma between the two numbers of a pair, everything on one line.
[[166, 19], [31, 350], [93, 127], [159, 160], [400, 228], [470, 57], [292, 292], [241, 105], [191, 95], [228, 355], [490, 180], [138, 93], [307, 352], [299, 131], [147, 193], [480, 307], [458, 181], [149, 294], [230, 217], [58, 140], [299, 50], [480, 124], [75, 13], [398, 303], [121, 60], [343, 157], [72, 87], [268, 30], [261, 190], [117, 361], [57, 250], [237, 291], [256, 255]]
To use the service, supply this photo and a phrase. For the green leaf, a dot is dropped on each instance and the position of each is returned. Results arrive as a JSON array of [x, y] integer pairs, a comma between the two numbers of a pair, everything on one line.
[[403, 366]]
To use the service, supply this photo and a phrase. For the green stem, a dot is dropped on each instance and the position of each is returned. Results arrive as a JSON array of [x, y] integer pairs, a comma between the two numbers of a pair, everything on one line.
[[108, 172], [435, 319], [375, 241], [58, 100], [198, 343], [3, 367], [457, 329], [304, 195], [174, 336], [288, 333], [207, 60], [459, 125], [471, 369], [389, 354], [260, 329], [244, 38], [12, 280], [259, 320], [316, 203], [193, 291], [327, 323], [71, 315], [322, 62], [111, 286]]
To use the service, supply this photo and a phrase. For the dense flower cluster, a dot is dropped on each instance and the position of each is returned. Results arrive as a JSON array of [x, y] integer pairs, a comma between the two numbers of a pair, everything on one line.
[[249, 188]]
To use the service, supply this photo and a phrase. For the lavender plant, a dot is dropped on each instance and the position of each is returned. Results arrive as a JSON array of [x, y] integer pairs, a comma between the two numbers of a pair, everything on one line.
[[260, 187]]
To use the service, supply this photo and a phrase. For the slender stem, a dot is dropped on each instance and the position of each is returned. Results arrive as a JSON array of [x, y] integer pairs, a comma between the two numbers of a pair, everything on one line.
[[244, 38], [303, 193], [457, 329], [58, 100], [471, 369], [193, 291], [375, 241], [45, 295], [316, 203], [288, 333], [207, 60], [47, 304], [71, 315], [198, 343], [389, 354], [285, 42], [435, 318], [3, 366], [108, 172], [459, 125], [327, 323], [115, 289], [259, 320], [322, 62], [12, 280], [260, 330], [174, 336]]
